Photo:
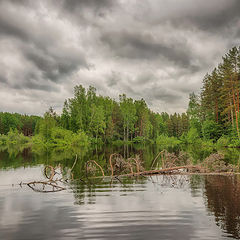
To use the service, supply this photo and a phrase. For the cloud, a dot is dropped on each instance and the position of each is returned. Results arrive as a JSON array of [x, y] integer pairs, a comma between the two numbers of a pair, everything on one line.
[[94, 5], [135, 45], [158, 50], [213, 16], [38, 48]]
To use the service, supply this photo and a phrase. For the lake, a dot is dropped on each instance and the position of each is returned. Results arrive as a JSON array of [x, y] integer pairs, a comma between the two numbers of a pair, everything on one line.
[[156, 207]]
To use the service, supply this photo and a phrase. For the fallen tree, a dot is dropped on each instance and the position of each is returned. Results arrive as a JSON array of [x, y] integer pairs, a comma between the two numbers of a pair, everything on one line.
[[171, 164]]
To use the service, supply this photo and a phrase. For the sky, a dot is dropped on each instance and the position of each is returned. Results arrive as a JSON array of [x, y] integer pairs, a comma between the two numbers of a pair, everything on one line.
[[158, 50]]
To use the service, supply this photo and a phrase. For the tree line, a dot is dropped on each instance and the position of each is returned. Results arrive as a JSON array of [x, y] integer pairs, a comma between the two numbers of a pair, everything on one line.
[[105, 119], [100, 118], [215, 111], [212, 116], [23, 123]]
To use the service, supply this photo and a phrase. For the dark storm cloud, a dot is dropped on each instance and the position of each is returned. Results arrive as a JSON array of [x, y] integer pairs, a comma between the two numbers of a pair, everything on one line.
[[218, 19], [158, 50], [95, 5], [164, 95], [32, 31], [145, 86], [42, 47], [113, 79], [33, 84], [135, 45], [55, 65], [238, 33], [213, 15], [3, 79], [146, 78], [87, 12]]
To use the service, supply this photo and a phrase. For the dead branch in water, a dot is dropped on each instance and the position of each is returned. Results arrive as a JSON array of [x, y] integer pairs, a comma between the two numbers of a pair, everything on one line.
[[131, 167], [50, 177], [74, 163], [164, 171], [88, 168], [42, 187], [51, 185], [169, 171]]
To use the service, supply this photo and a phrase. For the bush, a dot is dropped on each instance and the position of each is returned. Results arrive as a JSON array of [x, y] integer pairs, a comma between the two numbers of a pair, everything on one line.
[[80, 139], [61, 137], [14, 137], [3, 139], [38, 144], [215, 163], [192, 136], [139, 139], [166, 141], [118, 142], [210, 130], [223, 141]]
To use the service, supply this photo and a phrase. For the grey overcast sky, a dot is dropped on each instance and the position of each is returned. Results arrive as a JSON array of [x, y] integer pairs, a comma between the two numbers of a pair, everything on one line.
[[158, 50]]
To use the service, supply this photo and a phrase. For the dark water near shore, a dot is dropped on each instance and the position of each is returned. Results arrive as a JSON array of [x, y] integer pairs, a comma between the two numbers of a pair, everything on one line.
[[157, 207]]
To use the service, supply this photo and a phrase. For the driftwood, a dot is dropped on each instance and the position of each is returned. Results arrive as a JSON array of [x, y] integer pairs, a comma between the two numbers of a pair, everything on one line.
[[96, 164], [50, 177], [42, 187], [50, 185], [118, 164], [130, 167], [164, 171]]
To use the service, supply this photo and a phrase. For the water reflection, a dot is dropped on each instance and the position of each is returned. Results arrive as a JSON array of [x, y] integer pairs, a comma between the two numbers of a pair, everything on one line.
[[223, 200], [156, 207], [137, 209]]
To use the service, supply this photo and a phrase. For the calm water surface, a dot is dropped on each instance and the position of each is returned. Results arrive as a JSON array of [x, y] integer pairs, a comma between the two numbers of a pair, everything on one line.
[[158, 207]]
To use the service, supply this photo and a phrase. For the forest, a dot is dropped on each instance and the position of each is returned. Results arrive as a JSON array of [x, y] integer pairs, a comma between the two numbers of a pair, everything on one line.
[[212, 117]]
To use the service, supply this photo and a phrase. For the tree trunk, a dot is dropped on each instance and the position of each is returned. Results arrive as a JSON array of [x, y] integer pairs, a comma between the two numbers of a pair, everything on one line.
[[216, 107], [237, 100], [232, 119], [235, 108], [127, 132], [141, 128]]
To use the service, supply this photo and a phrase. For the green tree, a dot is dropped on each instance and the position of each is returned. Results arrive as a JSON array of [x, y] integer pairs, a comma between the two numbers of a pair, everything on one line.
[[194, 112], [97, 123], [128, 111]]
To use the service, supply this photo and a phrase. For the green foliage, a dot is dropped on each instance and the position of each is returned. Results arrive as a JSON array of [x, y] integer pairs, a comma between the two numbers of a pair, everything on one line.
[[108, 121], [80, 139], [101, 119], [128, 111], [61, 137], [223, 141], [38, 140], [98, 119], [15, 138], [166, 141], [24, 123], [235, 142], [220, 94], [97, 123], [192, 136], [177, 124], [3, 139], [139, 139], [162, 125], [210, 130], [46, 126]]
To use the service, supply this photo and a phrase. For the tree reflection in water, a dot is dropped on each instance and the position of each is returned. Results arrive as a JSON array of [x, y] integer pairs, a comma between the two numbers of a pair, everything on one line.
[[222, 196]]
